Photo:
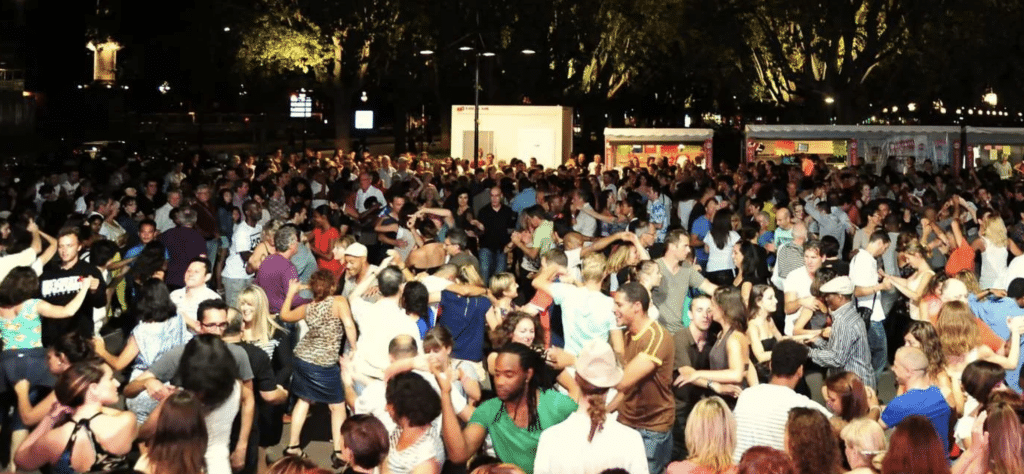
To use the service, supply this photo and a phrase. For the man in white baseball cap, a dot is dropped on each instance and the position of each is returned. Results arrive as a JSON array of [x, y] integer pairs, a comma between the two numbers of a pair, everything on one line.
[[356, 268], [589, 440], [845, 343]]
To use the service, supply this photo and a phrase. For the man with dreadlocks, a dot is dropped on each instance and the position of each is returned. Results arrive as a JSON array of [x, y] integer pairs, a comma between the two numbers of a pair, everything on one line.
[[645, 400], [514, 419]]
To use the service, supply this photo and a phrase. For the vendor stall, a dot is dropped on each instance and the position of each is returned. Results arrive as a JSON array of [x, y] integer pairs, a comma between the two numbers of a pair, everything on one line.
[[989, 144], [638, 145], [843, 145]]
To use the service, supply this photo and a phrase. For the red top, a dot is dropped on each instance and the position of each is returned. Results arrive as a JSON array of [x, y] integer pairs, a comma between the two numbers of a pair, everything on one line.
[[962, 258], [322, 242]]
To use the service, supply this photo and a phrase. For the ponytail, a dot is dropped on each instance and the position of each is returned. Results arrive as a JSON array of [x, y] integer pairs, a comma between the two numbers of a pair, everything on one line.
[[596, 408], [597, 411]]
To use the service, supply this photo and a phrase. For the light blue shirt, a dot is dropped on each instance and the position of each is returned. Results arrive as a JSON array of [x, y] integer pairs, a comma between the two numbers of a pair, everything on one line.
[[994, 313]]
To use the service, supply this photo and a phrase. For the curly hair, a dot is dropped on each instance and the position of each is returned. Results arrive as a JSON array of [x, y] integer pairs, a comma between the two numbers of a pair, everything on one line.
[[925, 333], [322, 284], [503, 335], [812, 442], [957, 330], [413, 398], [765, 460]]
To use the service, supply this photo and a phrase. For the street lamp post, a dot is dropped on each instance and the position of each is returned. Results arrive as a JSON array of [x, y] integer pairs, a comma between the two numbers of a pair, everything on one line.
[[476, 112]]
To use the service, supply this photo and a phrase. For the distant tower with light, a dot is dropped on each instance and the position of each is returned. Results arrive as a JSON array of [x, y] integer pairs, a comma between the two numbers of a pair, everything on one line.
[[103, 46], [104, 65]]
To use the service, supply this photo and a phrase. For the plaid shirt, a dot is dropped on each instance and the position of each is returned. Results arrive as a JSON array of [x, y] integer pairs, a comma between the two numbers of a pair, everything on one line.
[[847, 347]]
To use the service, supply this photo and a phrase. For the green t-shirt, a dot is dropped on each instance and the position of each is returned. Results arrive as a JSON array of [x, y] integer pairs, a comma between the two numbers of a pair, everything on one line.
[[519, 445]]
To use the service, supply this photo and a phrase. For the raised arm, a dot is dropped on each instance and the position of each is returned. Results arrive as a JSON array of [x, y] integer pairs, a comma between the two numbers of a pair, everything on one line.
[[61, 312], [459, 443], [288, 314]]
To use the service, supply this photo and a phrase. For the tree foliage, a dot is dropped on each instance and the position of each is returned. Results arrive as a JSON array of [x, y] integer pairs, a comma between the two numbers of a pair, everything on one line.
[[806, 49]]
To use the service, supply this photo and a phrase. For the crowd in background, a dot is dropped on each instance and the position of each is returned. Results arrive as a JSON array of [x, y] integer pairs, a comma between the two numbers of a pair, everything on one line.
[[502, 317]]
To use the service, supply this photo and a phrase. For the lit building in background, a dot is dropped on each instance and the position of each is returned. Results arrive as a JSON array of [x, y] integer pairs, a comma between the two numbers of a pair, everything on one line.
[[104, 66]]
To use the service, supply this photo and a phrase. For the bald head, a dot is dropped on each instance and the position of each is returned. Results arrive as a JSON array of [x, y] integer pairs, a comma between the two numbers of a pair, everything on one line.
[[402, 346], [953, 290], [912, 358], [799, 232]]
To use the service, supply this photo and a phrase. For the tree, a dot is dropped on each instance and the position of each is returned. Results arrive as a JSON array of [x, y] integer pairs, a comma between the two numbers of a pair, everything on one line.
[[338, 44], [804, 50]]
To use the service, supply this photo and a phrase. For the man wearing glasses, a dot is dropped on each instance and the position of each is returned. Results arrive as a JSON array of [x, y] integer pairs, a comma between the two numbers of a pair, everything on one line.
[[162, 378]]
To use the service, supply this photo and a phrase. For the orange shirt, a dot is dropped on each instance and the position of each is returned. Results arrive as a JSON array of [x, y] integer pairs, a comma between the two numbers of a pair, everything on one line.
[[988, 337], [962, 258]]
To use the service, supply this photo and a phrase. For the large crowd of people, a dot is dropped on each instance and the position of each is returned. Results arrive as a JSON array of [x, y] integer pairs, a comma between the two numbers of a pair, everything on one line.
[[503, 317]]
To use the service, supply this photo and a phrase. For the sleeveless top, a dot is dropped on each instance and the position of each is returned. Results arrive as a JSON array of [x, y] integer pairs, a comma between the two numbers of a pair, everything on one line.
[[719, 354], [428, 447], [153, 340], [321, 344], [993, 264], [104, 460], [25, 330]]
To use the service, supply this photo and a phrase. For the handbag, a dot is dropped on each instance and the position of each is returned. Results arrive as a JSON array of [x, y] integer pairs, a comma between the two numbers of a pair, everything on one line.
[[865, 312]]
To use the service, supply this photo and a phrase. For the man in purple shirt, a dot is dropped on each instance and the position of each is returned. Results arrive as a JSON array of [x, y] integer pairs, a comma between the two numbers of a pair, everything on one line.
[[277, 270], [183, 242]]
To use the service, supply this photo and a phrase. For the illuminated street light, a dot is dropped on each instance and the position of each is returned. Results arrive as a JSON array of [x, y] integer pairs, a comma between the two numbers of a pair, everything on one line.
[[487, 54], [529, 51], [227, 29], [465, 48], [911, 107], [830, 100], [426, 52], [164, 88], [364, 98]]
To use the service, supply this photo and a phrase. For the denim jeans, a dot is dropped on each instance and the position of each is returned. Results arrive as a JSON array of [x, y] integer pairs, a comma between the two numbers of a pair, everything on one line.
[[232, 288], [878, 344], [211, 252], [658, 447], [491, 262]]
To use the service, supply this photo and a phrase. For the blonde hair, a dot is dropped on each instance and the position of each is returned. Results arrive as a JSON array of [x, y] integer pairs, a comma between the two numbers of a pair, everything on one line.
[[866, 437], [995, 230], [500, 283], [593, 267], [970, 280], [270, 230], [618, 259], [469, 276], [344, 242], [711, 434], [957, 330], [263, 326]]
